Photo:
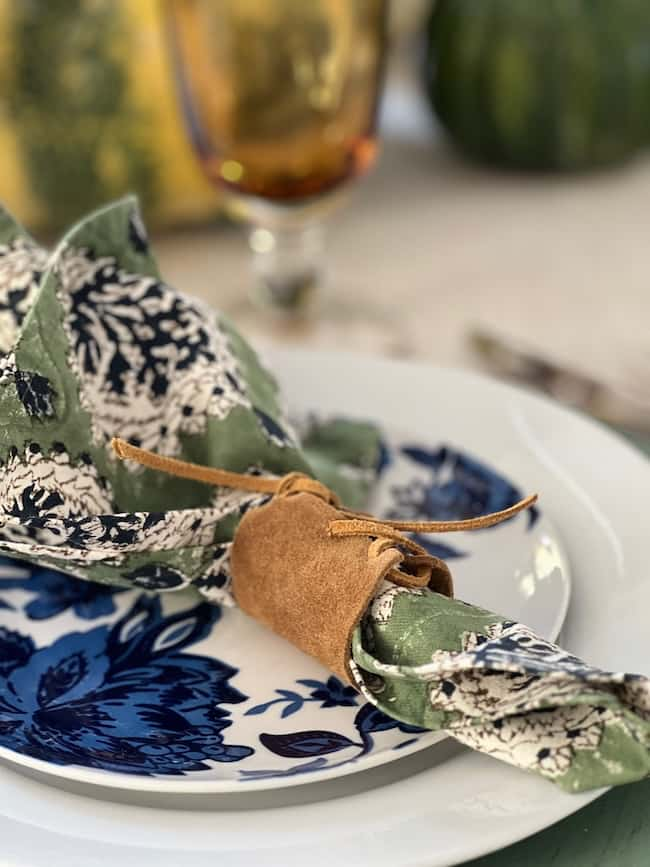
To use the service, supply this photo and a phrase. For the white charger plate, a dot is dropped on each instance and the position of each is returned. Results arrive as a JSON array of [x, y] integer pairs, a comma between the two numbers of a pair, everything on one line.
[[443, 805]]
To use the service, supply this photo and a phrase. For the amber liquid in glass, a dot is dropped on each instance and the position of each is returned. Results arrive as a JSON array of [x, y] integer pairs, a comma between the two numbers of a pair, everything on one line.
[[280, 96]]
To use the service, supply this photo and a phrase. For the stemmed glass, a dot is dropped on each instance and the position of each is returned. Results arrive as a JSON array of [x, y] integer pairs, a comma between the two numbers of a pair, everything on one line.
[[280, 100]]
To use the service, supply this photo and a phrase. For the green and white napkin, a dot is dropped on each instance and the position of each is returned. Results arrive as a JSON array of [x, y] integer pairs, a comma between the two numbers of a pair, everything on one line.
[[496, 686], [94, 344]]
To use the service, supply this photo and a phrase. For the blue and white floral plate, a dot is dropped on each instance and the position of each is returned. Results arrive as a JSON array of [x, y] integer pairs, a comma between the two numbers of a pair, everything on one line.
[[163, 693]]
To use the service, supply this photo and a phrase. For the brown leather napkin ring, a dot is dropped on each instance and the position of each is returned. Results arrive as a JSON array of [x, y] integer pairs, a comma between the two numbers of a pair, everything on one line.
[[294, 573], [307, 568]]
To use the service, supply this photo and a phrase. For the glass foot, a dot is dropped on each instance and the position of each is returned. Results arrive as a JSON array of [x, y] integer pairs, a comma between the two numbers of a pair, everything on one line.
[[335, 324]]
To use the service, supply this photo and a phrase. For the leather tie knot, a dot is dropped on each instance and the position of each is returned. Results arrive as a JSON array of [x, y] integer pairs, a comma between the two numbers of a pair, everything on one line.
[[299, 483]]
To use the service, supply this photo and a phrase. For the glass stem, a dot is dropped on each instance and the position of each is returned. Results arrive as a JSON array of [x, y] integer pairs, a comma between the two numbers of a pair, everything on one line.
[[288, 264]]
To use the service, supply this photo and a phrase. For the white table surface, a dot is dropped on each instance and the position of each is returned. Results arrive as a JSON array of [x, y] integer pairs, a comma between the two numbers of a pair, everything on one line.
[[562, 262]]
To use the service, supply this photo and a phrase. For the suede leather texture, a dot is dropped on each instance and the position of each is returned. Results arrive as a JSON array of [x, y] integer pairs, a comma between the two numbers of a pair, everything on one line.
[[309, 587]]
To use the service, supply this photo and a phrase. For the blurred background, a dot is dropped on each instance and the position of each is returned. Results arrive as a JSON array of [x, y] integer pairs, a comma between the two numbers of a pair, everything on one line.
[[501, 222]]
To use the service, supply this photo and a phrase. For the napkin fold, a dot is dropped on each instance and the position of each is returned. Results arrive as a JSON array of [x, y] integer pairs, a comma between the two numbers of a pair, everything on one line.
[[497, 687], [93, 344]]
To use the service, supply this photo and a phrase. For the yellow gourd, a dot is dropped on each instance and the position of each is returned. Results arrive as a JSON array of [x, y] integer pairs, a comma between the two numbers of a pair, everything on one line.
[[88, 112]]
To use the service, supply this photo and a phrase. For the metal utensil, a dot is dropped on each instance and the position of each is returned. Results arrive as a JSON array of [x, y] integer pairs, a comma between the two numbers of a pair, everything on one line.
[[607, 402]]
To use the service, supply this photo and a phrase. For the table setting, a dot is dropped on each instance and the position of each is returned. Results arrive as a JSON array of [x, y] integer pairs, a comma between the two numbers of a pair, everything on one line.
[[266, 598]]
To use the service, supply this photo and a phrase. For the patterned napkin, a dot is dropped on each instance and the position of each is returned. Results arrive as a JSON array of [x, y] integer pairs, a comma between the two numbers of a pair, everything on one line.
[[93, 344], [494, 685]]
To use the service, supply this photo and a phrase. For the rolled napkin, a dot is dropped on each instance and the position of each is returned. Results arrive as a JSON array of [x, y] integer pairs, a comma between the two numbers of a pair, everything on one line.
[[216, 492], [360, 597], [497, 687], [307, 567]]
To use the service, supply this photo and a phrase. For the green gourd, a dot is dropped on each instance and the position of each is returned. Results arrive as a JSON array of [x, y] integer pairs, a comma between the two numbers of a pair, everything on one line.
[[542, 84]]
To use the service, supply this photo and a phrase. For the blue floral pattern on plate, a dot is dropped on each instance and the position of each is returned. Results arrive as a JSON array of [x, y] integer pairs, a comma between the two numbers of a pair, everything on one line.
[[122, 697], [304, 744], [55, 593], [455, 486], [124, 684]]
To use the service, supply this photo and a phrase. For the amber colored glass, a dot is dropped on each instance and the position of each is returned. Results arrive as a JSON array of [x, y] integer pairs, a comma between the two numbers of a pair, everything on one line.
[[280, 100]]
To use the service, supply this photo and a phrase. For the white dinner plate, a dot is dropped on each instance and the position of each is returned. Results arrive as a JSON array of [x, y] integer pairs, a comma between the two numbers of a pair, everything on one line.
[[164, 693], [443, 805]]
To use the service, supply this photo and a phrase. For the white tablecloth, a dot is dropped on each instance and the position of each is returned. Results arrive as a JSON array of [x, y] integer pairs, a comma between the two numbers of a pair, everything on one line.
[[562, 262]]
